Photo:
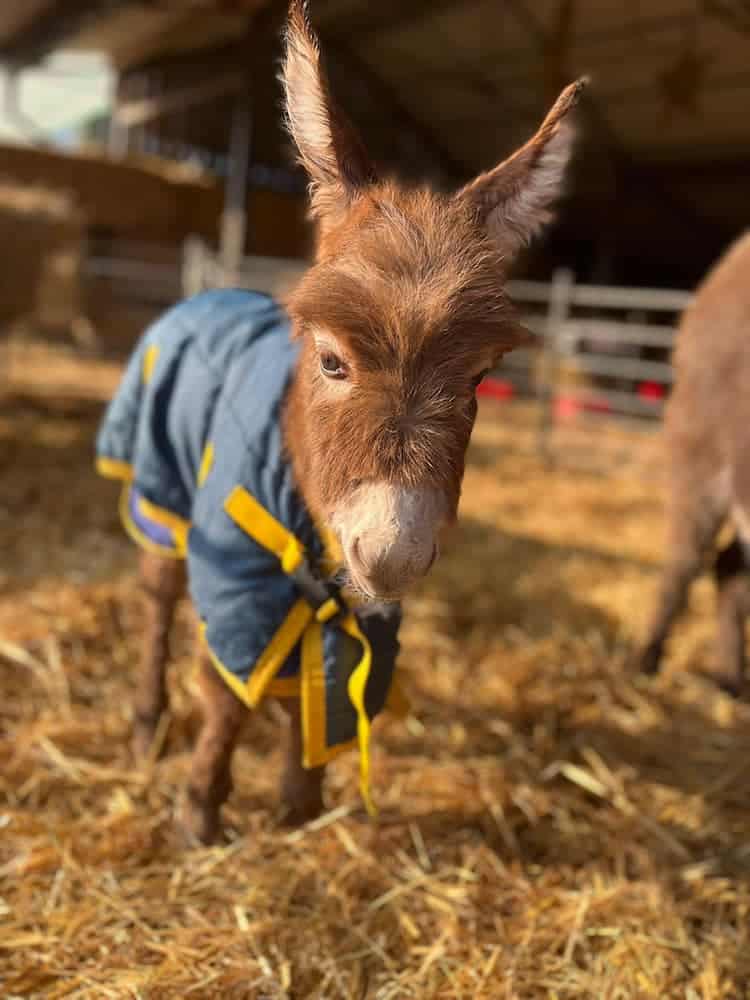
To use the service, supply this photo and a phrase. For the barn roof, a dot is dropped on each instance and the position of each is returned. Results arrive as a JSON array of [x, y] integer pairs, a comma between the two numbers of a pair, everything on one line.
[[671, 77], [472, 78]]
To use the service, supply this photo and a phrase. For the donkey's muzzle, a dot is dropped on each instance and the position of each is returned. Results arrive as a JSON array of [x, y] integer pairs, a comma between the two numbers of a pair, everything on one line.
[[389, 535]]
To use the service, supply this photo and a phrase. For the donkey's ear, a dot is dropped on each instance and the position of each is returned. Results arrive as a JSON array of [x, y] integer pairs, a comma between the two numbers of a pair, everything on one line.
[[514, 200], [329, 148]]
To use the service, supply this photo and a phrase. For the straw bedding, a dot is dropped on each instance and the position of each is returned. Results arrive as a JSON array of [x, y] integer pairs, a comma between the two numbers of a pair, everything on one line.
[[550, 826]]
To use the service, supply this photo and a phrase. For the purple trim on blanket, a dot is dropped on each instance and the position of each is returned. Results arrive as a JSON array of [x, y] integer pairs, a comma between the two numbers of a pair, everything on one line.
[[157, 533]]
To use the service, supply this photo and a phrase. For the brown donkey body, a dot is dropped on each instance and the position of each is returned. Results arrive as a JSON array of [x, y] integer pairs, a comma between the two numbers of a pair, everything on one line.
[[707, 435], [400, 315]]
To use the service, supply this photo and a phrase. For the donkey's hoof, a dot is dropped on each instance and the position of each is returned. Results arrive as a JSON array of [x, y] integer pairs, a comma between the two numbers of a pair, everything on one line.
[[198, 824], [301, 796], [296, 812]]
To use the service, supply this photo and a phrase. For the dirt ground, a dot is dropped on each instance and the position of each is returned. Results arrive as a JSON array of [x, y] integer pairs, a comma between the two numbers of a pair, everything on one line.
[[550, 826]]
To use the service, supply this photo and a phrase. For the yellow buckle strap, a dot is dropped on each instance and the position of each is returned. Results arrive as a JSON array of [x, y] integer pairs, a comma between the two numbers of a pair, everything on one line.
[[113, 468], [357, 687], [263, 527], [257, 522], [276, 653], [272, 659], [328, 610]]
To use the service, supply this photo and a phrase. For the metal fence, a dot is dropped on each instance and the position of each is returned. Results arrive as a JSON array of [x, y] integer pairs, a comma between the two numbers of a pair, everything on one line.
[[135, 272], [599, 352]]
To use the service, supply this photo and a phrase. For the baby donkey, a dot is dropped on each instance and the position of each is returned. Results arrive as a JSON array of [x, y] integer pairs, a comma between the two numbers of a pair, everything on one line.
[[301, 462]]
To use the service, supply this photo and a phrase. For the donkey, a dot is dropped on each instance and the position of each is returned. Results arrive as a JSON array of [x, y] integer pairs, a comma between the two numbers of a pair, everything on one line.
[[397, 320], [707, 435]]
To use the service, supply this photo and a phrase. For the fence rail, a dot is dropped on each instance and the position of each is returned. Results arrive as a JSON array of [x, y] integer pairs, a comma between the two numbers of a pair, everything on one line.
[[601, 352]]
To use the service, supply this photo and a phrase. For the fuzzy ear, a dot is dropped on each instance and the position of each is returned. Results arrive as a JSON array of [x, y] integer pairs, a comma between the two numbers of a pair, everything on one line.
[[514, 200], [329, 148]]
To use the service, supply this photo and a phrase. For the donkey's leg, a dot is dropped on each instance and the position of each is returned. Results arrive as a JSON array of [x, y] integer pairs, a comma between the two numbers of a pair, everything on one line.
[[210, 781], [301, 788], [694, 519], [732, 574], [162, 583]]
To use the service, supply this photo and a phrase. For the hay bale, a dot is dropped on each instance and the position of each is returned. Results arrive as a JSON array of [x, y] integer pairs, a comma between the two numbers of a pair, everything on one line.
[[41, 284]]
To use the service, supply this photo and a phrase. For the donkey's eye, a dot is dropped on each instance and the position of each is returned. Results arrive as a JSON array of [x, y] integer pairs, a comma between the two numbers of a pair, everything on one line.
[[331, 365]]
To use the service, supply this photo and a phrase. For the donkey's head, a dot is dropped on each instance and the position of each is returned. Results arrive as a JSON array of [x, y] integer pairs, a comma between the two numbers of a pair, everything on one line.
[[400, 316]]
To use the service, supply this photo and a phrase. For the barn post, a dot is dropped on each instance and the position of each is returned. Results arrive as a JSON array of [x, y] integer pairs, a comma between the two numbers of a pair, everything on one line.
[[560, 301], [234, 215], [118, 139]]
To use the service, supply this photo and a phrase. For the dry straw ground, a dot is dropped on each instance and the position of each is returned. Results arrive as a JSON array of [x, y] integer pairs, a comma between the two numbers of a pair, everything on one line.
[[550, 826]]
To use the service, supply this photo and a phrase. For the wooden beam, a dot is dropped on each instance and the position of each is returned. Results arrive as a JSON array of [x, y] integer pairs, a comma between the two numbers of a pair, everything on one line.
[[234, 217], [263, 31], [627, 169], [46, 31], [385, 16], [131, 113]]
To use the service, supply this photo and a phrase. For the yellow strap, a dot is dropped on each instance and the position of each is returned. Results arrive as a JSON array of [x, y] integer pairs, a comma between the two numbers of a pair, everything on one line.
[[313, 703], [357, 688], [206, 462], [332, 553], [261, 525], [149, 362], [277, 651], [113, 468], [271, 660], [284, 687], [313, 716], [327, 610], [232, 681]]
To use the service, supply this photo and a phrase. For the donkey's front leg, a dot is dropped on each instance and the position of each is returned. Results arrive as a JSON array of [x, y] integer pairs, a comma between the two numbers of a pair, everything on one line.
[[210, 781], [301, 788], [162, 582]]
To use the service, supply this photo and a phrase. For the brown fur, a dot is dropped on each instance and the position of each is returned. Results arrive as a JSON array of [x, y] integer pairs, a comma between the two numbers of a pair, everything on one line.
[[415, 294], [707, 436], [410, 284], [162, 583]]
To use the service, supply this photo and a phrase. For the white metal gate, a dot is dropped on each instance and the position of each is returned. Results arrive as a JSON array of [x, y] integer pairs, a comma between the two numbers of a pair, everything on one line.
[[601, 352]]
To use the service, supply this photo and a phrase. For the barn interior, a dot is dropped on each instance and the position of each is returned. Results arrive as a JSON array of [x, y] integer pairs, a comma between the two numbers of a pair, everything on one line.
[[552, 825], [446, 88]]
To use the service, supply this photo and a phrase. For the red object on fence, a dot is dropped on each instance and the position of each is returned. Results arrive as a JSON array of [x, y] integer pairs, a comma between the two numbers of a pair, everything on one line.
[[495, 388], [569, 407], [652, 392]]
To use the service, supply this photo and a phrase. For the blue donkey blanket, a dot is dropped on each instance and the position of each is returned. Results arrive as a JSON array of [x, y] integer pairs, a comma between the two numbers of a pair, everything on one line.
[[194, 432]]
